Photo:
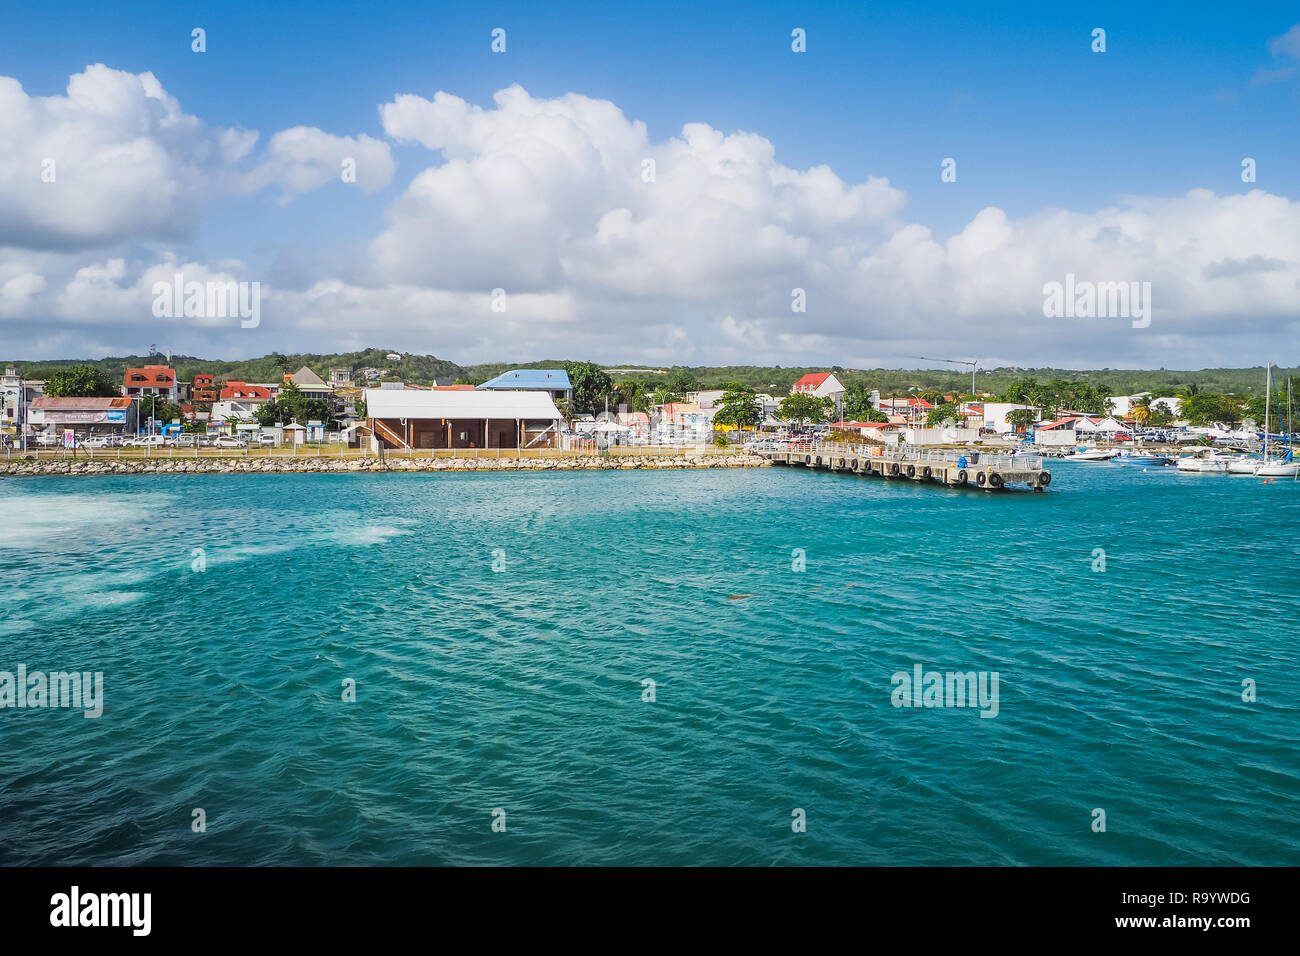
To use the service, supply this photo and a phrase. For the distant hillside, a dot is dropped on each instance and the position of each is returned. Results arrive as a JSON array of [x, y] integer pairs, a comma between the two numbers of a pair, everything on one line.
[[417, 369], [424, 369]]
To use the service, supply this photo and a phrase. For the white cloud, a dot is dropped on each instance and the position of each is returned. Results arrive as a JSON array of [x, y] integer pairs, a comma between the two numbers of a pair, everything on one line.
[[116, 158], [1288, 44], [540, 193], [304, 158], [546, 198]]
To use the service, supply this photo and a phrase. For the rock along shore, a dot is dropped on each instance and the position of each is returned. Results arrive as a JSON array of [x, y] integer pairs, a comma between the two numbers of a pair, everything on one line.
[[269, 465]]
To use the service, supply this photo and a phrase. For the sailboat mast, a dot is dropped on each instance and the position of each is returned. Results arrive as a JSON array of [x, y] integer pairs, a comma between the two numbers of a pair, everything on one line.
[[1268, 396]]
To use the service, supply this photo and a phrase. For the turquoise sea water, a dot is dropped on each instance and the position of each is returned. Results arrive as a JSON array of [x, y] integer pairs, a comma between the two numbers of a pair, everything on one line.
[[520, 689]]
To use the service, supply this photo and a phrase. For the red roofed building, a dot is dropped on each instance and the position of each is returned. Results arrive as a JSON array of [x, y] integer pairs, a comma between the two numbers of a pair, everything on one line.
[[239, 402], [872, 429], [819, 385], [150, 380], [242, 391], [205, 388]]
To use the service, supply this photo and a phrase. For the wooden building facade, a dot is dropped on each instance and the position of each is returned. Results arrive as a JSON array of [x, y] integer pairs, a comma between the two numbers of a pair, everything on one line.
[[410, 418]]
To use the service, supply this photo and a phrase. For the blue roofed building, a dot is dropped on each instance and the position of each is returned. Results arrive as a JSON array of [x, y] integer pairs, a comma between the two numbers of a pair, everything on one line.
[[555, 381]]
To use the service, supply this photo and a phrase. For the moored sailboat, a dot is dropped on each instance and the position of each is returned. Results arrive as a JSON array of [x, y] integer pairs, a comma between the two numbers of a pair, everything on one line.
[[1286, 466]]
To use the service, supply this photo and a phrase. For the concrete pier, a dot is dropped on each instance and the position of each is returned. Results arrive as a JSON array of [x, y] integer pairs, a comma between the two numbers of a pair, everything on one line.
[[977, 469]]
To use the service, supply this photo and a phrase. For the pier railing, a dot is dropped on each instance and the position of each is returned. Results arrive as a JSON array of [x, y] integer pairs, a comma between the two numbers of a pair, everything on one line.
[[915, 453]]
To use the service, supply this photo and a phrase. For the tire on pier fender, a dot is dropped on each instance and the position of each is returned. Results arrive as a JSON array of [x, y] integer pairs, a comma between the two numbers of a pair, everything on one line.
[[961, 477], [1044, 479], [841, 462], [995, 480], [893, 468], [981, 479], [911, 471], [925, 472], [807, 459]]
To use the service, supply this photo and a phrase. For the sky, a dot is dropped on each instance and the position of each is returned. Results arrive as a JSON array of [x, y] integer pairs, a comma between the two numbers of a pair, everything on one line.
[[653, 183]]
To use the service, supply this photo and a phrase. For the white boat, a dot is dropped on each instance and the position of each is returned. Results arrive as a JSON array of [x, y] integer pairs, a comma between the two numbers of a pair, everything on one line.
[[1286, 466], [1278, 469], [1207, 462], [1244, 466], [1093, 454], [1132, 457]]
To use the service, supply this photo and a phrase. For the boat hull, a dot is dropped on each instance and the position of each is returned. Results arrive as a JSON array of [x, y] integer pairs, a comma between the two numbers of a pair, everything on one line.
[[1288, 470], [1141, 460], [1201, 466]]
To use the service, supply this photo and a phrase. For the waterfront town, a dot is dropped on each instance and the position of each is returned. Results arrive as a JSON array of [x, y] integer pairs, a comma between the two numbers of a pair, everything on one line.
[[533, 409]]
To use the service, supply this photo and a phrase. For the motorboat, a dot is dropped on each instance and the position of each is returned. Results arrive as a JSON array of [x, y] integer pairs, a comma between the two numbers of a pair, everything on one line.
[[1137, 458], [1094, 454], [1206, 462], [1245, 465]]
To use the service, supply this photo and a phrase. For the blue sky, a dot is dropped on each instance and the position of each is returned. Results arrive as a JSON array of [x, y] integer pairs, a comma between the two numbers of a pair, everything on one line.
[[1034, 118]]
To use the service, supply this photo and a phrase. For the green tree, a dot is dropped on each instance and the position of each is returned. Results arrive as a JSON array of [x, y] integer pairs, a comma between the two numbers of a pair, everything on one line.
[[738, 407], [941, 414], [1022, 417], [1204, 408], [805, 408], [681, 381], [81, 381], [160, 409], [591, 387], [857, 405], [663, 395]]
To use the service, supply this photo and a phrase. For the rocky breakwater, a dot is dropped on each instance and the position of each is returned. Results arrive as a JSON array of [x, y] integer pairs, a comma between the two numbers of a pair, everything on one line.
[[277, 465]]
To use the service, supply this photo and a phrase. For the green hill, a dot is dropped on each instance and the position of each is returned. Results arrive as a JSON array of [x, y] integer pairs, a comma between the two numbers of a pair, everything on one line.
[[424, 369]]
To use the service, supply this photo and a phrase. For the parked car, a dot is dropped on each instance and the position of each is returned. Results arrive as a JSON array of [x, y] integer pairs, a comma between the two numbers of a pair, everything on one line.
[[266, 441], [97, 441], [225, 441]]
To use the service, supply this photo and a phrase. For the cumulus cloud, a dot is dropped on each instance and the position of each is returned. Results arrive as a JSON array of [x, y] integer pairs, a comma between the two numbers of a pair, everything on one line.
[[612, 245], [538, 193], [116, 158]]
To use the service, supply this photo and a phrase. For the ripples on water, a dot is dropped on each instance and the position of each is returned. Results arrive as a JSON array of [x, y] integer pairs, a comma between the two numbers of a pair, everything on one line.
[[521, 688]]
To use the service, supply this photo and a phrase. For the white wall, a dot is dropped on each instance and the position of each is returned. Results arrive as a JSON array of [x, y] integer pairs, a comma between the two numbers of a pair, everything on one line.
[[939, 436], [995, 415], [1057, 437]]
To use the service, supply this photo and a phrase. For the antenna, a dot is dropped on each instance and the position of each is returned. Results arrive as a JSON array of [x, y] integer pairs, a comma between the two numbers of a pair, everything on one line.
[[974, 365]]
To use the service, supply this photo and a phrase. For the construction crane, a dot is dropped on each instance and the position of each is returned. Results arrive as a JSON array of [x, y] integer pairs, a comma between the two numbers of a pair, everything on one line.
[[974, 367]]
